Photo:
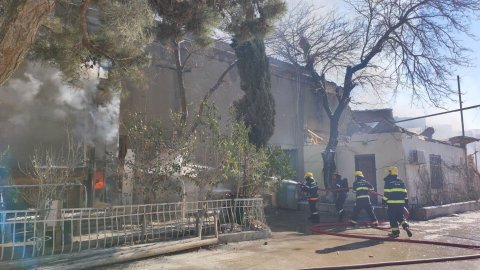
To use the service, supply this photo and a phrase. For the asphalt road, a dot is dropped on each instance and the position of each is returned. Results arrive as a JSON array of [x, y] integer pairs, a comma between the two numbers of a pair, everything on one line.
[[293, 247]]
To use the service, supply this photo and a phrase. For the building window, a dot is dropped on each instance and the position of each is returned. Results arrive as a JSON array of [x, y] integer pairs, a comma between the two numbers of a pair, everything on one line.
[[436, 173]]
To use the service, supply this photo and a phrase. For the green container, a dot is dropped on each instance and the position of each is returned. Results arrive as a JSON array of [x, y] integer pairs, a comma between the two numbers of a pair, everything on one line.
[[287, 195]]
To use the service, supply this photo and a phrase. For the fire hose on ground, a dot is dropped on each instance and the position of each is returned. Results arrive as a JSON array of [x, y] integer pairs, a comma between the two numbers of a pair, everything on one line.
[[325, 229]]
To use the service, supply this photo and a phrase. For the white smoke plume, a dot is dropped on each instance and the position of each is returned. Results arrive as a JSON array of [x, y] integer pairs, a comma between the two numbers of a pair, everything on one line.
[[36, 104]]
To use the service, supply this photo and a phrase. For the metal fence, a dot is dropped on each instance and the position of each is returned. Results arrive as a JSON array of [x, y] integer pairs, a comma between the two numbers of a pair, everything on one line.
[[33, 233]]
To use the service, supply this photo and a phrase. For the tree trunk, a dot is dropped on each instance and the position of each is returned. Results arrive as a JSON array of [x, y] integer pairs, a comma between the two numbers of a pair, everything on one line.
[[329, 165], [19, 26], [181, 82]]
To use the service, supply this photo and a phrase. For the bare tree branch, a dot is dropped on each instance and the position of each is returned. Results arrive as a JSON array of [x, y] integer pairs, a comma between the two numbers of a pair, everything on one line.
[[166, 66], [210, 93], [385, 43]]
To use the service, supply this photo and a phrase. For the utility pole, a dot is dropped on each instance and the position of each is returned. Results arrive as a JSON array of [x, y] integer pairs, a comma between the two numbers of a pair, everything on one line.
[[475, 153], [463, 127], [461, 106]]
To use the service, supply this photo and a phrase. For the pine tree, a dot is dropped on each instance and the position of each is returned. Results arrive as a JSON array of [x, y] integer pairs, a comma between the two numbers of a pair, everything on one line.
[[82, 36], [71, 35], [178, 19], [14, 44]]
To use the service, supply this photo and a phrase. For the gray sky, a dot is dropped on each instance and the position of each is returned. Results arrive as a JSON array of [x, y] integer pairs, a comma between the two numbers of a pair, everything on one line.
[[401, 104]]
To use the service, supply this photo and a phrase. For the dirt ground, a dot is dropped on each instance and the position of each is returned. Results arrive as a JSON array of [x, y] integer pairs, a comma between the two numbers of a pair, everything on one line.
[[294, 247]]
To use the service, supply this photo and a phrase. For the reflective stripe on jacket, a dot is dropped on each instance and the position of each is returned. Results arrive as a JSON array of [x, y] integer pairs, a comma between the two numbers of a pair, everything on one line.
[[362, 188], [394, 191]]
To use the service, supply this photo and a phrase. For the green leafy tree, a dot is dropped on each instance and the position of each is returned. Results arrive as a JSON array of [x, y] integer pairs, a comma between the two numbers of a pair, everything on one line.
[[253, 169], [210, 157], [160, 154], [244, 162], [279, 164]]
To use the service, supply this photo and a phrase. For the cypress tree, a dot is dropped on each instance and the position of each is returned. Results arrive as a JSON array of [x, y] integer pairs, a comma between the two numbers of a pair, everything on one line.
[[257, 107], [249, 22]]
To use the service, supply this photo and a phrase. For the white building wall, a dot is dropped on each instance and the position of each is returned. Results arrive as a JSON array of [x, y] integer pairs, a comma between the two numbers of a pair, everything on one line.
[[418, 176], [387, 150], [313, 161], [393, 149]]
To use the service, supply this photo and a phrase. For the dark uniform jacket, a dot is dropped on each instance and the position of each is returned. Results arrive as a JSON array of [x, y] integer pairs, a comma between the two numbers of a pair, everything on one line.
[[394, 191], [311, 190], [362, 188], [341, 183]]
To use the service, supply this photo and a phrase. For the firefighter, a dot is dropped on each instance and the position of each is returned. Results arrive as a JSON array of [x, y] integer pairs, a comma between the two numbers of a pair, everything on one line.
[[311, 189], [396, 199], [340, 186], [362, 189]]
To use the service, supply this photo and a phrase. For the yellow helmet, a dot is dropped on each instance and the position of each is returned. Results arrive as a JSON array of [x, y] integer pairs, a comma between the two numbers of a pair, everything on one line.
[[308, 174], [359, 173], [393, 170]]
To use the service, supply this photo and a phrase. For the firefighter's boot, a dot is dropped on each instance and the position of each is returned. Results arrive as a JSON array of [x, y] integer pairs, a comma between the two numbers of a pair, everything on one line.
[[393, 235], [341, 215], [406, 227]]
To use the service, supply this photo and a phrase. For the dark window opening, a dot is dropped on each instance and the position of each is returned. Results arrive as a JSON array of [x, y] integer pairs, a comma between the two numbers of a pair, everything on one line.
[[436, 173]]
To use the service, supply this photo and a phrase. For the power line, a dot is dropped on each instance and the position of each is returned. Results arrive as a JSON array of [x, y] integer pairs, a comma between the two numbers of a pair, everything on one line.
[[435, 114]]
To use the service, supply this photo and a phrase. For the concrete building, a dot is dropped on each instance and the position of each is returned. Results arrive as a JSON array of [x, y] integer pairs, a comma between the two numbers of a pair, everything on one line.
[[301, 124], [434, 171]]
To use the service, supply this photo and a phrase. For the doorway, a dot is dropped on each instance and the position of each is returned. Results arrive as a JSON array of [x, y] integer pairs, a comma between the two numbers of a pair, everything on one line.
[[366, 164]]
